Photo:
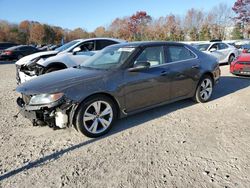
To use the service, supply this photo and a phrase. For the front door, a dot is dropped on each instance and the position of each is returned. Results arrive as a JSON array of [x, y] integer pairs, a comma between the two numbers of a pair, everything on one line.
[[148, 86]]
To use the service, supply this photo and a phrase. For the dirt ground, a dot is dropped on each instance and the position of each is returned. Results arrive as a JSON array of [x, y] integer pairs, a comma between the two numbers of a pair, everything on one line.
[[178, 145]]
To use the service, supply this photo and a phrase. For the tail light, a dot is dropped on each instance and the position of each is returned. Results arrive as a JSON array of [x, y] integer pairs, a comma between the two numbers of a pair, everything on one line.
[[7, 52], [245, 51]]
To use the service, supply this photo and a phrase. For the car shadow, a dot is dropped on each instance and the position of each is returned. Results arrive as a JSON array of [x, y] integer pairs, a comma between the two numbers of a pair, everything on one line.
[[226, 86], [230, 84]]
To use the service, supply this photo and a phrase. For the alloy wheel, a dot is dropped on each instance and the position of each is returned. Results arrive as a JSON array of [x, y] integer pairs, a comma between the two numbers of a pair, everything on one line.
[[206, 89], [98, 117]]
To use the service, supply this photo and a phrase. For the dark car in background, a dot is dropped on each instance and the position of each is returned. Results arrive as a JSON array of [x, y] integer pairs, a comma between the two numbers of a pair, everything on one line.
[[5, 45], [17, 52], [118, 81]]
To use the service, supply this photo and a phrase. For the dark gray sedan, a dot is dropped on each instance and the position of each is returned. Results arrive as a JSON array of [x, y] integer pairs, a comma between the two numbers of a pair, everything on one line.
[[118, 81]]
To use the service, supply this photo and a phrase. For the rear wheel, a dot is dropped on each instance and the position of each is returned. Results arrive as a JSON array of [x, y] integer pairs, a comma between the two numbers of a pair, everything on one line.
[[230, 59], [204, 90], [96, 116]]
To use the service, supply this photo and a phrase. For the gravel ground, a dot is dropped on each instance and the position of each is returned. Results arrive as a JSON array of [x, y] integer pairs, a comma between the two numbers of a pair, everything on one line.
[[178, 145]]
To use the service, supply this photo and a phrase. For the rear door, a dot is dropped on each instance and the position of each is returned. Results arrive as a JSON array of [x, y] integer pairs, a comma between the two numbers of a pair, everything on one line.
[[184, 68], [148, 86], [225, 50]]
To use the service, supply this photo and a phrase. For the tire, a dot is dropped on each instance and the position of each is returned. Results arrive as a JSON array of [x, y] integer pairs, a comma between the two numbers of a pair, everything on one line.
[[52, 69], [89, 118], [230, 59], [204, 90]]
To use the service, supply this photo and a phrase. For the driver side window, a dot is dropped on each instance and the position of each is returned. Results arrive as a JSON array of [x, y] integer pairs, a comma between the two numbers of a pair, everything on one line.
[[215, 46], [153, 55], [87, 46]]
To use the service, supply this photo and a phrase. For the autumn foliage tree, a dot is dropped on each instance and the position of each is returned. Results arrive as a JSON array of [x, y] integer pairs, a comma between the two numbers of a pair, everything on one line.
[[137, 24], [193, 26], [242, 11]]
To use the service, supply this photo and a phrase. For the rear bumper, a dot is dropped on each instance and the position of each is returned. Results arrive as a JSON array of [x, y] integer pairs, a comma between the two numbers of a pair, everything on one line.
[[241, 72], [239, 69], [6, 57]]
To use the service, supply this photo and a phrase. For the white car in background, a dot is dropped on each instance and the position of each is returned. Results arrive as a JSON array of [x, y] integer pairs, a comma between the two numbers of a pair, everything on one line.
[[71, 54], [225, 53]]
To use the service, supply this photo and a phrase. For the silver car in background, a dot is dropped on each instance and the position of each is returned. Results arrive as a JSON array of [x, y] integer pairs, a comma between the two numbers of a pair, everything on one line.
[[71, 54], [225, 53]]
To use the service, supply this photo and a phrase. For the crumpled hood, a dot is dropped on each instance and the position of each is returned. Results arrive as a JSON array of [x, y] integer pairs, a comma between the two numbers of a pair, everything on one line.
[[67, 58], [28, 58], [58, 81]]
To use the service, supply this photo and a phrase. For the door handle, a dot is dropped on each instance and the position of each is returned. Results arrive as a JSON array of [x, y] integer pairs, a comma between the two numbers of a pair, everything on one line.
[[196, 66]]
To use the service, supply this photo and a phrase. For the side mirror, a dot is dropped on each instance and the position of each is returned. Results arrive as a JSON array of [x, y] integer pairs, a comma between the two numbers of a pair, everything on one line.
[[140, 65], [213, 50], [75, 50]]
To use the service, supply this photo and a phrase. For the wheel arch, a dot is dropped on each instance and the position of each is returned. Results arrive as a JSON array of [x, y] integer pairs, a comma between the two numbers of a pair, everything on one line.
[[210, 74], [77, 107], [56, 64], [231, 54]]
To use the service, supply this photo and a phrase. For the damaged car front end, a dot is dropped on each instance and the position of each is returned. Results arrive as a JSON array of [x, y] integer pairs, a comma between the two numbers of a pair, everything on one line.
[[52, 99], [30, 70], [46, 109]]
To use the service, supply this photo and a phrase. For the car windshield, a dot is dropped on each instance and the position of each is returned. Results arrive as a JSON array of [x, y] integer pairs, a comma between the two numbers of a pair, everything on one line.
[[66, 46], [202, 47], [109, 58]]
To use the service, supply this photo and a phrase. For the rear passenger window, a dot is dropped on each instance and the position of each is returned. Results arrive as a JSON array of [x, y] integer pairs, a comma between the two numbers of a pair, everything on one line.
[[87, 46], [100, 44], [179, 53]]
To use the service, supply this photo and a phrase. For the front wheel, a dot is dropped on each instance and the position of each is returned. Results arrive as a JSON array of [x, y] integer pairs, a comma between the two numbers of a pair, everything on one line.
[[204, 90], [96, 116]]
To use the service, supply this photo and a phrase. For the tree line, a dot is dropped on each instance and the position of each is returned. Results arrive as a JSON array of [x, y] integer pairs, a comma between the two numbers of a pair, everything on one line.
[[222, 22]]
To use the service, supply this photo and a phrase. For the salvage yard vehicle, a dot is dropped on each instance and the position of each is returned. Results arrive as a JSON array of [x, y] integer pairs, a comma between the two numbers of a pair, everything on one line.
[[225, 53], [241, 65], [118, 81], [68, 55], [17, 52], [5, 45]]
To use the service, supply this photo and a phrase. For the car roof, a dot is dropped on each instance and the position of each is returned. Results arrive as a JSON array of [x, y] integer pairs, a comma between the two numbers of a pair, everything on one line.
[[147, 43], [102, 38], [19, 46]]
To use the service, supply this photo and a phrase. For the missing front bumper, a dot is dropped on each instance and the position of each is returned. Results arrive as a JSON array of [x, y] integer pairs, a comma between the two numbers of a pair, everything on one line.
[[53, 115]]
